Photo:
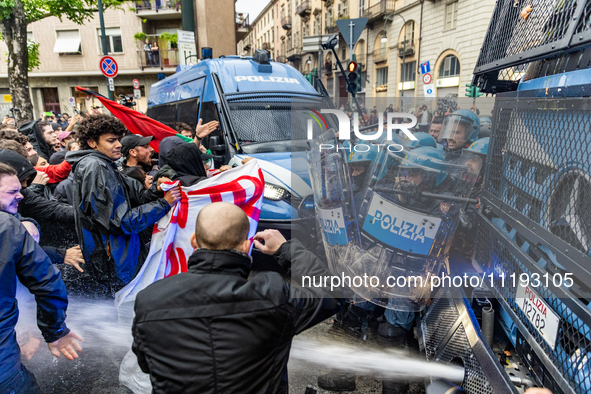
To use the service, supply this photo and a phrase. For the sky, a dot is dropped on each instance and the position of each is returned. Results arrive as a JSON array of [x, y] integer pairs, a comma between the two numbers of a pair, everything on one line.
[[251, 7]]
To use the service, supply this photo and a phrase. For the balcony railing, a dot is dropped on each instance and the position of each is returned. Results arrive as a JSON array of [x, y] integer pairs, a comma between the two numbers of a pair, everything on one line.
[[157, 5], [267, 46], [330, 29], [380, 55], [158, 59], [304, 8], [286, 23], [409, 50], [247, 43], [242, 21], [378, 10], [281, 59], [293, 54]]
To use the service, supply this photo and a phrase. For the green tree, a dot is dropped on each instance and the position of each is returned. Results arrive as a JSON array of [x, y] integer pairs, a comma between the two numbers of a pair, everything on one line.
[[15, 16]]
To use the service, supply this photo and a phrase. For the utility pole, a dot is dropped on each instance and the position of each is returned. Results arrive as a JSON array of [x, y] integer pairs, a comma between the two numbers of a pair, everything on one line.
[[104, 42]]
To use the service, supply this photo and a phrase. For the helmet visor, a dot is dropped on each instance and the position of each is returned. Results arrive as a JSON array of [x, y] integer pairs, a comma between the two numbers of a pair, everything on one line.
[[456, 128]]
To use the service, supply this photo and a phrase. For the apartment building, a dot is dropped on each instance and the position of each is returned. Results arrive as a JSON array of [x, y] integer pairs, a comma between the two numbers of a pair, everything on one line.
[[399, 36], [141, 38]]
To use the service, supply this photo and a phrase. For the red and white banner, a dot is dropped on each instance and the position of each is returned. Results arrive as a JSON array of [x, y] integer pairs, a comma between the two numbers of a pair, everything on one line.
[[171, 246]]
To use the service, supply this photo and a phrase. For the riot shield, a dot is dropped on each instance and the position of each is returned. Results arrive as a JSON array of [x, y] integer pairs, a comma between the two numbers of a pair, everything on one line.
[[333, 197], [407, 215]]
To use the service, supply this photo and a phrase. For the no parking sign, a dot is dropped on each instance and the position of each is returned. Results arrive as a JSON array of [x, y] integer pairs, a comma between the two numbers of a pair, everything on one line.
[[109, 67]]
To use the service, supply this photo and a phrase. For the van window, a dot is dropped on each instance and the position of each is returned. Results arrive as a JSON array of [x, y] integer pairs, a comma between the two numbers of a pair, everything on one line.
[[165, 113], [188, 111]]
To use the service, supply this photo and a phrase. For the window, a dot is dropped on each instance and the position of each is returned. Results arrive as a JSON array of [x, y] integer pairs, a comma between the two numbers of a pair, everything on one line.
[[345, 8], [344, 54], [450, 67], [361, 51], [317, 25], [188, 111], [361, 7], [451, 15], [408, 71], [382, 76], [330, 86], [363, 76], [68, 42], [409, 33], [114, 43]]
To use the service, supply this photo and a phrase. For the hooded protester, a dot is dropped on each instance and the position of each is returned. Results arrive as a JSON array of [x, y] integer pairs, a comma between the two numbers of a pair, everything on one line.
[[41, 136], [164, 149], [184, 163], [55, 218], [111, 208]]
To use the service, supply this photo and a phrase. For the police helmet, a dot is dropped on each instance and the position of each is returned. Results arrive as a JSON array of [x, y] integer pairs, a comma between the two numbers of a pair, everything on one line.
[[463, 117], [428, 159], [422, 139]]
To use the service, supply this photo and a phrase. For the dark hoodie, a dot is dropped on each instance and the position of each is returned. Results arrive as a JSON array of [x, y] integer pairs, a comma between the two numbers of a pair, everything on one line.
[[111, 212], [31, 130], [34, 206], [164, 149], [184, 163]]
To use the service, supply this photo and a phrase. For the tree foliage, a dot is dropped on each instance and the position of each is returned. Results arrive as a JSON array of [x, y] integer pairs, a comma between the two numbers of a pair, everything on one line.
[[78, 11]]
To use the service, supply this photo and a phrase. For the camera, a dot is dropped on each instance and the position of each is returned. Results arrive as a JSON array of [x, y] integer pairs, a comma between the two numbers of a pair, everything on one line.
[[127, 101]]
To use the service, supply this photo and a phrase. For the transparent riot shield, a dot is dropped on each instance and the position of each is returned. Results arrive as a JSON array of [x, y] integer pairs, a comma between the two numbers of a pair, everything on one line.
[[333, 197], [407, 215]]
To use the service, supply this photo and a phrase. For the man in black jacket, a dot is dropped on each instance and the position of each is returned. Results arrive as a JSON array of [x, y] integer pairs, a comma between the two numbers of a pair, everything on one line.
[[23, 258], [112, 209], [41, 136], [211, 330]]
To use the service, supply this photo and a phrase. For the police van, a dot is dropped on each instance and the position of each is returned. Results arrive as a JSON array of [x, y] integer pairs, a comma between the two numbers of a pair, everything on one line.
[[252, 99]]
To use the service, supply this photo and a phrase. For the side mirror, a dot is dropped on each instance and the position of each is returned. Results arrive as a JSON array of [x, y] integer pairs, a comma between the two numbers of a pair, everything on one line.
[[215, 144]]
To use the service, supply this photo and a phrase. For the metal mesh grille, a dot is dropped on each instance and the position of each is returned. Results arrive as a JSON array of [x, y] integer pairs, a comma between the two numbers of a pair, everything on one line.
[[573, 344], [521, 32], [540, 165], [439, 319], [268, 117]]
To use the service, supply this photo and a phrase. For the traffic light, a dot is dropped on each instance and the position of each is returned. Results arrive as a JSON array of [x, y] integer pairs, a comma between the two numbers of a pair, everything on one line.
[[354, 81], [470, 90], [477, 92]]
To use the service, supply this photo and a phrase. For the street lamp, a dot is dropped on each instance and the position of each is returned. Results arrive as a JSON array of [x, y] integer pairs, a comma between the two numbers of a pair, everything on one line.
[[403, 53], [384, 39]]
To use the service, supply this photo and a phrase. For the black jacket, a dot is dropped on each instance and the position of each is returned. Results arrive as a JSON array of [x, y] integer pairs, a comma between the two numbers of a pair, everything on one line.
[[33, 205], [31, 130], [184, 163], [21, 256], [111, 212], [211, 330]]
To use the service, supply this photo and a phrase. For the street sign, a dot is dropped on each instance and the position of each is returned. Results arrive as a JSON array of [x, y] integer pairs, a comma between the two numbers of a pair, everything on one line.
[[72, 101], [427, 78], [137, 94], [109, 67], [136, 84], [351, 29], [111, 84], [429, 90], [87, 98], [425, 67]]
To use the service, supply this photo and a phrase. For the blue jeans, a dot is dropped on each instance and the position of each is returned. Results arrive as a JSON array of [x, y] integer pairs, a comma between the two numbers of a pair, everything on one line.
[[21, 382]]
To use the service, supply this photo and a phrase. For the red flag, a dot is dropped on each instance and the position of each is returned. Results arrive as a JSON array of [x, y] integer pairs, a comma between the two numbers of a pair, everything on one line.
[[136, 122]]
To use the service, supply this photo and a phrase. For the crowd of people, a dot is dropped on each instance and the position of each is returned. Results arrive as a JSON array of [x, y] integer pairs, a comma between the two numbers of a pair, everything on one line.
[[78, 201]]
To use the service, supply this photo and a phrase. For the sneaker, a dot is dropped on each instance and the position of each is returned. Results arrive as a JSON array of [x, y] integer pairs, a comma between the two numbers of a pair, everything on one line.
[[337, 381]]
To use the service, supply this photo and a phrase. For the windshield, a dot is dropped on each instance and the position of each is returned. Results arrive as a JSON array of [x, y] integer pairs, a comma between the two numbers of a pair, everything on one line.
[[264, 123]]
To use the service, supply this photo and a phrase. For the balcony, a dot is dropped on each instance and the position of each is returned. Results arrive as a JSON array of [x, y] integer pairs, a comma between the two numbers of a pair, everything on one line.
[[286, 23], [247, 43], [242, 26], [409, 50], [158, 59], [281, 59], [378, 11], [293, 54], [267, 46], [331, 29], [314, 43], [304, 9], [158, 9], [380, 55]]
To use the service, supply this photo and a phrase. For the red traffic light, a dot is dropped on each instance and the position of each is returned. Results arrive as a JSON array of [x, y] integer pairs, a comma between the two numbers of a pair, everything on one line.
[[352, 67]]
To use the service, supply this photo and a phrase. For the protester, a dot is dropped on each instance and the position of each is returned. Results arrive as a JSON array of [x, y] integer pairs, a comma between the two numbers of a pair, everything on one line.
[[111, 209], [72, 146], [185, 130], [41, 136], [136, 151], [138, 174], [64, 121], [64, 137], [14, 146], [424, 117], [27, 261], [215, 296], [185, 163]]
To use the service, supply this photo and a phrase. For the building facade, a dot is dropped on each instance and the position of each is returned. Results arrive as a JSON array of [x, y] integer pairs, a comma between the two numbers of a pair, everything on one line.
[[400, 35], [141, 37]]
